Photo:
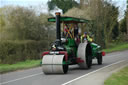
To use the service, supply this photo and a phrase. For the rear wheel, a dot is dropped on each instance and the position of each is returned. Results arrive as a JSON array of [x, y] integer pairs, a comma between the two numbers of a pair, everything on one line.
[[85, 53], [89, 61], [99, 59], [89, 56]]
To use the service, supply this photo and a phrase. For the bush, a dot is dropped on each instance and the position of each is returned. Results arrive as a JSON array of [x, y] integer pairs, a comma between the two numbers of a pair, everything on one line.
[[122, 38], [15, 51]]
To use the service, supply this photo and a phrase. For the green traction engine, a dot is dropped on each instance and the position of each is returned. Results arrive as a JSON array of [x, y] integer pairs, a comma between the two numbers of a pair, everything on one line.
[[67, 48]]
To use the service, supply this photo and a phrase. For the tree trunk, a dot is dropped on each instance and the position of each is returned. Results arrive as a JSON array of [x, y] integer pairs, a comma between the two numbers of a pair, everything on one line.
[[127, 19], [127, 23], [81, 3]]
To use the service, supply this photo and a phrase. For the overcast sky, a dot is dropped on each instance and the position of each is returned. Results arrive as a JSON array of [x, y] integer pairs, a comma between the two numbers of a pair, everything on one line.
[[43, 4]]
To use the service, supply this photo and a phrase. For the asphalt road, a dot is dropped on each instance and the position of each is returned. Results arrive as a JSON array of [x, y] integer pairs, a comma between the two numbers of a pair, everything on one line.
[[35, 76]]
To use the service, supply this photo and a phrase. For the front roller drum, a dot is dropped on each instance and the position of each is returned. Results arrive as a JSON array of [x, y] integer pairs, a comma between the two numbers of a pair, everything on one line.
[[54, 64]]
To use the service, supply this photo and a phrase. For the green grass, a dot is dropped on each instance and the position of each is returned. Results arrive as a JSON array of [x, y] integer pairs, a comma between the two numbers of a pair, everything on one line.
[[119, 78], [20, 65], [117, 47]]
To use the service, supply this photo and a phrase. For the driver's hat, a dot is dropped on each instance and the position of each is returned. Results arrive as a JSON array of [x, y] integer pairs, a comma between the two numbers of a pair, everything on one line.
[[85, 32]]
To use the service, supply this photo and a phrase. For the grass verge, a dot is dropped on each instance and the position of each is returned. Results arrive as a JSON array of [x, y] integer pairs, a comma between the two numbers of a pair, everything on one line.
[[20, 65], [117, 47], [119, 78]]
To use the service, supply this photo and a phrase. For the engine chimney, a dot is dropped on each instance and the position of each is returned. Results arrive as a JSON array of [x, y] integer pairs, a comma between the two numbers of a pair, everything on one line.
[[58, 30]]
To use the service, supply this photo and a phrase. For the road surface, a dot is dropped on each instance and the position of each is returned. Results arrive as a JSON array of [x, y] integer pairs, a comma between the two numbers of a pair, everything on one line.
[[35, 76]]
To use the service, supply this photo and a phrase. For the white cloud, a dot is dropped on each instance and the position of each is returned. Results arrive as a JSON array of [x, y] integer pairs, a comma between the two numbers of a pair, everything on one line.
[[122, 7], [38, 5], [22, 2]]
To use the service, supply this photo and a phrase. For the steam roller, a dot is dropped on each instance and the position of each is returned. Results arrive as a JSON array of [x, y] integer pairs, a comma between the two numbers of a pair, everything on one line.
[[67, 49]]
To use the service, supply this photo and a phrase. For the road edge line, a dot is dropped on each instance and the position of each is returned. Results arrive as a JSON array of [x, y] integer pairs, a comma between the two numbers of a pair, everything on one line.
[[20, 78]]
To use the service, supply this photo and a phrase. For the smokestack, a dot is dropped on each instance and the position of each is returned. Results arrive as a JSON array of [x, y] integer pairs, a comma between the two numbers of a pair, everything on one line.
[[58, 30]]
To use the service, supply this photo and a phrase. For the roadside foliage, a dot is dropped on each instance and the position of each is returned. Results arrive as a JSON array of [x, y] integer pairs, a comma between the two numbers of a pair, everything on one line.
[[24, 34]]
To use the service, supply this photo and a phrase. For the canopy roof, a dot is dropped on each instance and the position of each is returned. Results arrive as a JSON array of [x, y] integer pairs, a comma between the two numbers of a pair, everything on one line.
[[69, 20]]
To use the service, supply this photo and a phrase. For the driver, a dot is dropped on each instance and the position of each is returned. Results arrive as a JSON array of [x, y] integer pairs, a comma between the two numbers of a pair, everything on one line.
[[85, 37]]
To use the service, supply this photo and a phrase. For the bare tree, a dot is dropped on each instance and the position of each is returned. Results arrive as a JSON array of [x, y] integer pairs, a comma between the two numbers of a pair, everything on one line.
[[105, 17], [127, 19]]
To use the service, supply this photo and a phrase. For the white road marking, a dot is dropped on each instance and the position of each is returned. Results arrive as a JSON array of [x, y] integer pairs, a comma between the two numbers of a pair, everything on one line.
[[20, 78], [92, 72], [113, 55]]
